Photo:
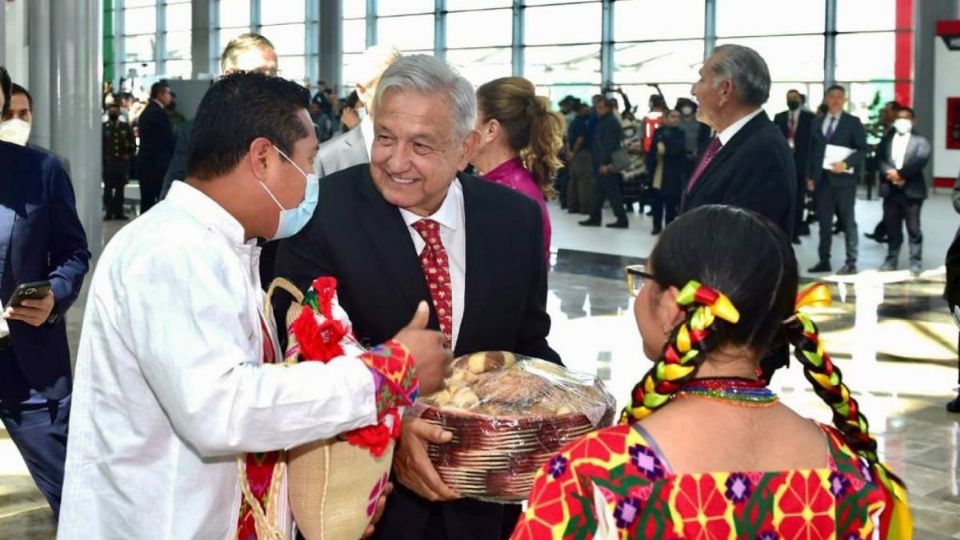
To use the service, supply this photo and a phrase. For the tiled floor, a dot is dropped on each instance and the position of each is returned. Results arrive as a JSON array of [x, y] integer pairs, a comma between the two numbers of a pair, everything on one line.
[[890, 334]]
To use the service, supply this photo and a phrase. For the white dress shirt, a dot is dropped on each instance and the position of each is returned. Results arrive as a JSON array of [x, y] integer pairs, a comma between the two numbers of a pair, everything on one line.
[[366, 129], [898, 149], [170, 387], [453, 235], [735, 127], [826, 122]]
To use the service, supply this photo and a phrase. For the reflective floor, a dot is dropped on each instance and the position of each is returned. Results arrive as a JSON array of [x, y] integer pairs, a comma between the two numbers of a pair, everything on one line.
[[890, 334]]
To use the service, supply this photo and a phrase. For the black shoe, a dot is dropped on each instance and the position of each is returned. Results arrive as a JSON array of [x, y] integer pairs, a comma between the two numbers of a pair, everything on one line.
[[847, 270], [821, 266], [656, 232], [804, 230], [796, 241], [954, 406], [590, 222], [888, 266], [121, 218], [618, 224]]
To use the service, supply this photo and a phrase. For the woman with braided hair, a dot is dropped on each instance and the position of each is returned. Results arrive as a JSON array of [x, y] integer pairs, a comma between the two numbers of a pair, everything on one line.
[[704, 449]]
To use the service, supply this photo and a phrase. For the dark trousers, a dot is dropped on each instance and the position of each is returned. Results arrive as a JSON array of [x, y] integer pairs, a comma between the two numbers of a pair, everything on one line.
[[150, 185], [837, 197], [897, 209], [608, 188], [114, 180], [581, 185], [661, 204], [38, 427]]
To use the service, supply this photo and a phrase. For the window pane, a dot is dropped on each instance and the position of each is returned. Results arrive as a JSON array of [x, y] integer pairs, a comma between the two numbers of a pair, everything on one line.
[[139, 3], [140, 20], [178, 68], [234, 13], [139, 48], [292, 67], [541, 2], [227, 35], [497, 28], [552, 24], [789, 58], [350, 66], [664, 61], [761, 17], [178, 17], [354, 8], [354, 36], [178, 45], [862, 95], [288, 39], [562, 65], [282, 11], [406, 33], [142, 69], [853, 64], [631, 20], [481, 65], [404, 7], [859, 15], [459, 5]]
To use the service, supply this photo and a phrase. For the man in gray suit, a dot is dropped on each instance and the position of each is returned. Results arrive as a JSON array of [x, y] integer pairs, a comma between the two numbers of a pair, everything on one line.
[[836, 188], [353, 147], [903, 187]]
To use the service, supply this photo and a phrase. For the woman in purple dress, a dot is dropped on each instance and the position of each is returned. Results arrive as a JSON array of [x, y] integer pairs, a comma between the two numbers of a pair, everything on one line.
[[520, 141]]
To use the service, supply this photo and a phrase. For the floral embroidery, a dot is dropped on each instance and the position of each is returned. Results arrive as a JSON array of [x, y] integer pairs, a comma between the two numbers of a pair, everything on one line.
[[839, 485], [768, 535], [806, 505], [558, 466], [626, 512], [646, 461], [738, 488], [375, 494]]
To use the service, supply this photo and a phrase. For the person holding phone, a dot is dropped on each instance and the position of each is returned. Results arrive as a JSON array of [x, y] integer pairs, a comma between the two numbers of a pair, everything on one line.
[[43, 260]]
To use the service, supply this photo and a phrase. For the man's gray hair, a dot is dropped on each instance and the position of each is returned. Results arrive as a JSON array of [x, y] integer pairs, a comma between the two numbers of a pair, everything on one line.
[[428, 75], [746, 69]]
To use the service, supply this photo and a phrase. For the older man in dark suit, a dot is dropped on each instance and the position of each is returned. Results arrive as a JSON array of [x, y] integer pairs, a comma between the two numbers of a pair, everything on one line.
[[41, 239], [156, 145], [795, 124], [902, 158], [748, 163], [408, 227], [835, 189]]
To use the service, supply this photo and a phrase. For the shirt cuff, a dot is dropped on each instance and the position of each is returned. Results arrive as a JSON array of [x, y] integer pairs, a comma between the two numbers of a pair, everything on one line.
[[394, 374]]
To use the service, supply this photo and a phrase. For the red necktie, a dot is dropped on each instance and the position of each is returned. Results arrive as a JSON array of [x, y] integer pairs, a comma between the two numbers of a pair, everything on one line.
[[708, 156], [791, 126], [436, 270]]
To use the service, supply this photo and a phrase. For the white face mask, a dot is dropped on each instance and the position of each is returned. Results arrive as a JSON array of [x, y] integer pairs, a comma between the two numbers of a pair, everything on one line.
[[292, 220], [686, 111], [903, 125], [15, 131]]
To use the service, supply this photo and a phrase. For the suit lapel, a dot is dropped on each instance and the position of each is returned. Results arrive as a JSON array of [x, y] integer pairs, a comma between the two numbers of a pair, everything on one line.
[[727, 150], [479, 221], [383, 224]]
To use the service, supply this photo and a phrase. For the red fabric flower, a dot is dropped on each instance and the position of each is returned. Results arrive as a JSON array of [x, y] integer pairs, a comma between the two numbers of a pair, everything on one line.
[[318, 341], [376, 438], [326, 287]]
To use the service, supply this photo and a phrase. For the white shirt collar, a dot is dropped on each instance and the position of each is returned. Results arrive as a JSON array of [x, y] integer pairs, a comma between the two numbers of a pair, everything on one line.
[[157, 101], [194, 202], [733, 128], [447, 215], [366, 129]]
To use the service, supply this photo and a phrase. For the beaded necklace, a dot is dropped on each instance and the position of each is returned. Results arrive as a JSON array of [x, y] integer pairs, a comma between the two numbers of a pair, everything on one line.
[[730, 390]]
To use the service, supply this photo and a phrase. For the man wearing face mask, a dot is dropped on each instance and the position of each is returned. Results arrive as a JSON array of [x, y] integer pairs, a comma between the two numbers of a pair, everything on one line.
[[795, 125], [176, 356], [15, 123], [903, 187], [118, 148]]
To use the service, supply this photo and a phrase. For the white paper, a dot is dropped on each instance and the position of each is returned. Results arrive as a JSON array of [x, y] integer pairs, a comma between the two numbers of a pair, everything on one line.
[[835, 153], [4, 329]]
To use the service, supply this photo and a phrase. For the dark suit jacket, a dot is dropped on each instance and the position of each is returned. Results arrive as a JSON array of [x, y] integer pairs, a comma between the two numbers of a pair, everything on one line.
[[755, 171], [361, 239], [43, 240], [848, 132], [177, 170], [607, 138], [801, 138], [156, 142], [914, 161]]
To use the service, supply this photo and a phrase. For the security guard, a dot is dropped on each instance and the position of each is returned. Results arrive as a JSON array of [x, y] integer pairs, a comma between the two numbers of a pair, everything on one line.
[[118, 148]]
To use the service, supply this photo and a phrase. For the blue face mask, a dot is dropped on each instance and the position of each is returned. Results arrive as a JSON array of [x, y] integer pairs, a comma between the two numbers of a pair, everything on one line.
[[292, 220]]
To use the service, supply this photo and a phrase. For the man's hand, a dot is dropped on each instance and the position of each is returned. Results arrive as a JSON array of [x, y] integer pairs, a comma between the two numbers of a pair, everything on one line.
[[604, 169], [30, 311], [412, 465], [429, 351], [839, 167], [811, 185], [378, 513]]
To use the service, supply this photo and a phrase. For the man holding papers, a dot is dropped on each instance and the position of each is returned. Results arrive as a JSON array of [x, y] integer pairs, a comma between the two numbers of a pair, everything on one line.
[[838, 144]]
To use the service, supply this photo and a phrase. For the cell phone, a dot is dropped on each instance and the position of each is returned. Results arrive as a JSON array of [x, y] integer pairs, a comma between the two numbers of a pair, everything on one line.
[[34, 291]]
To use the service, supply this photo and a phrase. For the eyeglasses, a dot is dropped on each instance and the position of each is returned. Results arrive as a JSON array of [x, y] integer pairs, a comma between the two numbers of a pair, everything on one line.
[[637, 276]]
